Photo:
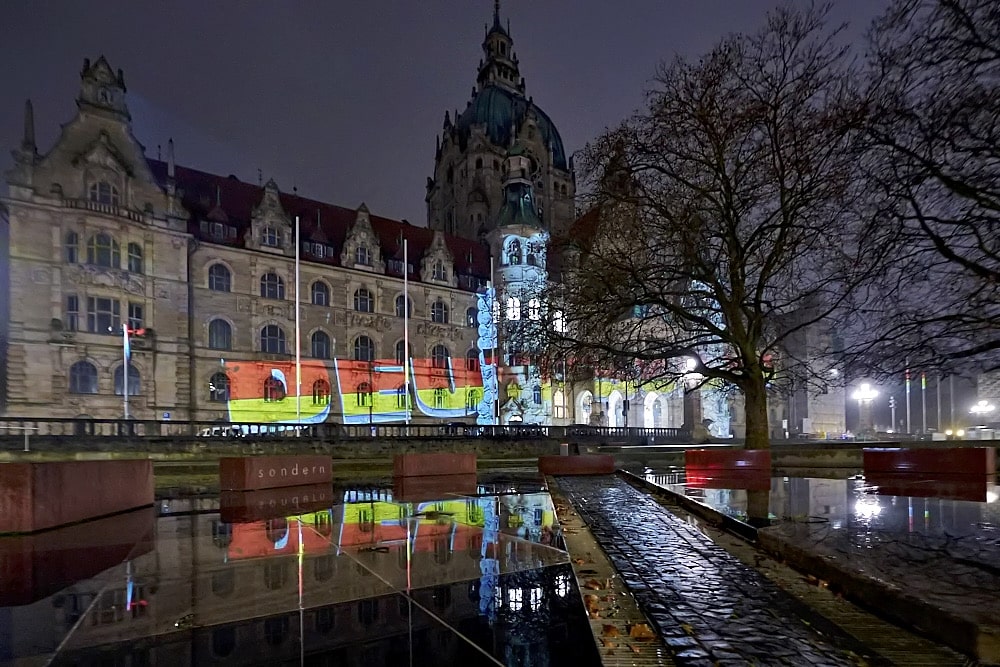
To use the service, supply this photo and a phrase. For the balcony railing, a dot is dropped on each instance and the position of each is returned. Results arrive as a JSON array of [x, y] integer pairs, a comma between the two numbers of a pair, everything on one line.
[[106, 209]]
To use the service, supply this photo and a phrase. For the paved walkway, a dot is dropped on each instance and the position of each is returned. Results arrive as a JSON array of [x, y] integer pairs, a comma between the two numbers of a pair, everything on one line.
[[710, 608]]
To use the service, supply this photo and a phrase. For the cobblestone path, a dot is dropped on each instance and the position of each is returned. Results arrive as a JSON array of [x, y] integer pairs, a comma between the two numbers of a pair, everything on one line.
[[710, 608]]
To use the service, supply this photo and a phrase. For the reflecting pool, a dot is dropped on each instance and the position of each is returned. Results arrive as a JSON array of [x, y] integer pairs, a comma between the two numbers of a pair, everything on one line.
[[341, 575]]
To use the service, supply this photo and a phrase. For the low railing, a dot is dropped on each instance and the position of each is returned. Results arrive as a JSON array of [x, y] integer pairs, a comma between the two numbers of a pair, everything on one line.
[[137, 428]]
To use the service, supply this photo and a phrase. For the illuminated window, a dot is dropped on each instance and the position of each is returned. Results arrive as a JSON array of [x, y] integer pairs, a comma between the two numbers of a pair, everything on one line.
[[559, 322], [513, 308], [515, 599], [471, 317], [440, 397], [439, 312], [320, 294], [134, 381], [83, 378], [71, 248], [401, 397], [363, 301], [135, 258], [272, 286], [514, 252], [218, 388], [439, 356], [269, 237], [220, 335], [102, 250], [534, 309], [472, 360], [363, 395], [219, 278], [364, 349], [363, 256], [104, 193], [272, 339], [274, 390], [404, 308], [473, 399], [321, 392], [536, 394], [321, 345]]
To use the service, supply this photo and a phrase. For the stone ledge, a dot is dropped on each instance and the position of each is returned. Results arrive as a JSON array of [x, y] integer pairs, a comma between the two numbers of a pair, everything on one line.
[[581, 464]]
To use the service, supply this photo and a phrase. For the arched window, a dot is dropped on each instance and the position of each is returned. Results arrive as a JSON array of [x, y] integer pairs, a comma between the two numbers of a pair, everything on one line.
[[71, 247], [83, 378], [559, 322], [401, 352], [479, 163], [363, 301], [439, 271], [223, 641], [472, 360], [104, 193], [220, 335], [320, 345], [320, 294], [274, 390], [404, 307], [321, 392], [272, 339], [135, 258], [514, 252], [440, 397], [219, 278], [472, 399], [276, 630], [472, 318], [536, 394], [401, 397], [534, 309], [363, 395], [513, 308], [134, 381], [364, 349], [102, 250], [272, 286], [218, 388], [439, 356], [363, 256], [439, 312]]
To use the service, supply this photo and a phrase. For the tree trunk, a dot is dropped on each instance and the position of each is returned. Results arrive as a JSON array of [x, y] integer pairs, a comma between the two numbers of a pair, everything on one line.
[[755, 407]]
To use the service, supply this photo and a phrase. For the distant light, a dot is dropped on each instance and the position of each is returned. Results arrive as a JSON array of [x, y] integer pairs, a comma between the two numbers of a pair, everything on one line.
[[834, 372], [868, 507]]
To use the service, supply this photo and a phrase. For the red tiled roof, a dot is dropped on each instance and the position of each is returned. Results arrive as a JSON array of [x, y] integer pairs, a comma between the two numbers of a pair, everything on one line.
[[237, 200]]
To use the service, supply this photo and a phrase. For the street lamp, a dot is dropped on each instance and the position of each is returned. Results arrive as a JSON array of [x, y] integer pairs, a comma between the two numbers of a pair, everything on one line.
[[864, 395], [982, 408]]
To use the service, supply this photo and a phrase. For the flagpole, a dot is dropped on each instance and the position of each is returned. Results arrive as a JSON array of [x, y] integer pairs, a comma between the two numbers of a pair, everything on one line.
[[406, 331], [495, 308], [298, 339], [126, 355]]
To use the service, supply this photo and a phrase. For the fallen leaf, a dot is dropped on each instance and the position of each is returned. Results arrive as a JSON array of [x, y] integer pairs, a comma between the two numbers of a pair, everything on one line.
[[635, 649], [688, 628], [609, 630], [594, 585], [595, 614], [641, 631], [579, 561]]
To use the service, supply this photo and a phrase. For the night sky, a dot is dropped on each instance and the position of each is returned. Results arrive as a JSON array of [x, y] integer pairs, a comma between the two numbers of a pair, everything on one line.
[[343, 99]]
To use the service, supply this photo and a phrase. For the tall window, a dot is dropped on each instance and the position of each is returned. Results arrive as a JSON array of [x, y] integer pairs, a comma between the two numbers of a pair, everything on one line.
[[218, 388], [102, 250], [364, 349], [71, 247], [472, 399], [363, 301], [559, 322], [401, 398], [72, 312], [83, 378], [513, 308], [269, 237], [472, 318], [321, 392], [401, 352], [363, 395], [363, 256], [134, 381], [321, 345], [135, 258], [272, 286], [219, 278], [439, 312], [103, 316], [440, 397], [220, 335], [274, 390], [534, 309], [135, 318], [472, 360], [104, 193], [536, 394], [439, 356], [272, 339], [320, 294], [439, 271], [404, 307]]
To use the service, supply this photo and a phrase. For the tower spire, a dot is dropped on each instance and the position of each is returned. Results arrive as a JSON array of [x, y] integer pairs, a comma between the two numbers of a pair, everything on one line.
[[28, 142], [496, 13]]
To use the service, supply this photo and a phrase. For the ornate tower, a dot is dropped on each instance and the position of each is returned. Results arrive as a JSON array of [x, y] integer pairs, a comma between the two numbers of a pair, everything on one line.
[[467, 191]]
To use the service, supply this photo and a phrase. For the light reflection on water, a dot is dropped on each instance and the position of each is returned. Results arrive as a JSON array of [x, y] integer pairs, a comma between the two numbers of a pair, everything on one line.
[[465, 579]]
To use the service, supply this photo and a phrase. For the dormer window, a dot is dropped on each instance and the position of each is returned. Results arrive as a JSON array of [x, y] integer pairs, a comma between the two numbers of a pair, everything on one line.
[[439, 271], [104, 193], [269, 237], [363, 256]]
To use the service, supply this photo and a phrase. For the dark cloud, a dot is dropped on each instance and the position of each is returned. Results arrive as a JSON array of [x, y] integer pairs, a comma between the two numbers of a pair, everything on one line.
[[343, 99]]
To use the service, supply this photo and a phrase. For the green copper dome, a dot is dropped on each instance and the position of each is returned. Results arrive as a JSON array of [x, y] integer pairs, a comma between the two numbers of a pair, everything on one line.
[[498, 109]]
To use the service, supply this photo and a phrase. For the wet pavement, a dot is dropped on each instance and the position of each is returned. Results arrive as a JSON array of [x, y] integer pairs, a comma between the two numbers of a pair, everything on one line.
[[710, 608], [367, 579]]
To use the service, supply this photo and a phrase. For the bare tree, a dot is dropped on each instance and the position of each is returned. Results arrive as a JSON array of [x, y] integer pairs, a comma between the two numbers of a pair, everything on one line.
[[934, 123], [728, 216]]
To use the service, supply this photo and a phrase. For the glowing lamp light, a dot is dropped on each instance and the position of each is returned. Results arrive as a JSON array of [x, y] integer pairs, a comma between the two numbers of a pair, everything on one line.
[[982, 407], [865, 393]]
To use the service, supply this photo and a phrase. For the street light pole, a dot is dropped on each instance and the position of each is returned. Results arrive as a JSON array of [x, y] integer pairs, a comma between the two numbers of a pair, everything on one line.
[[864, 395]]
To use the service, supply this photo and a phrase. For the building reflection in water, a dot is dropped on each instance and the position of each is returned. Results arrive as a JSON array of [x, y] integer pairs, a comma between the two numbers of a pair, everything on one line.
[[366, 581]]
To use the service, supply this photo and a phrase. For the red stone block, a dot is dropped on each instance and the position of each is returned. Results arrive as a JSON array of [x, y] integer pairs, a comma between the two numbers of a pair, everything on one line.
[[939, 485], [958, 461], [36, 496], [748, 479], [728, 459], [432, 487], [247, 473], [582, 464], [437, 463], [247, 506], [33, 567]]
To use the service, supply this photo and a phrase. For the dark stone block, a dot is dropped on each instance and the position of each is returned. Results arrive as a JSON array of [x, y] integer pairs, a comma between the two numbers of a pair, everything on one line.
[[248, 473]]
